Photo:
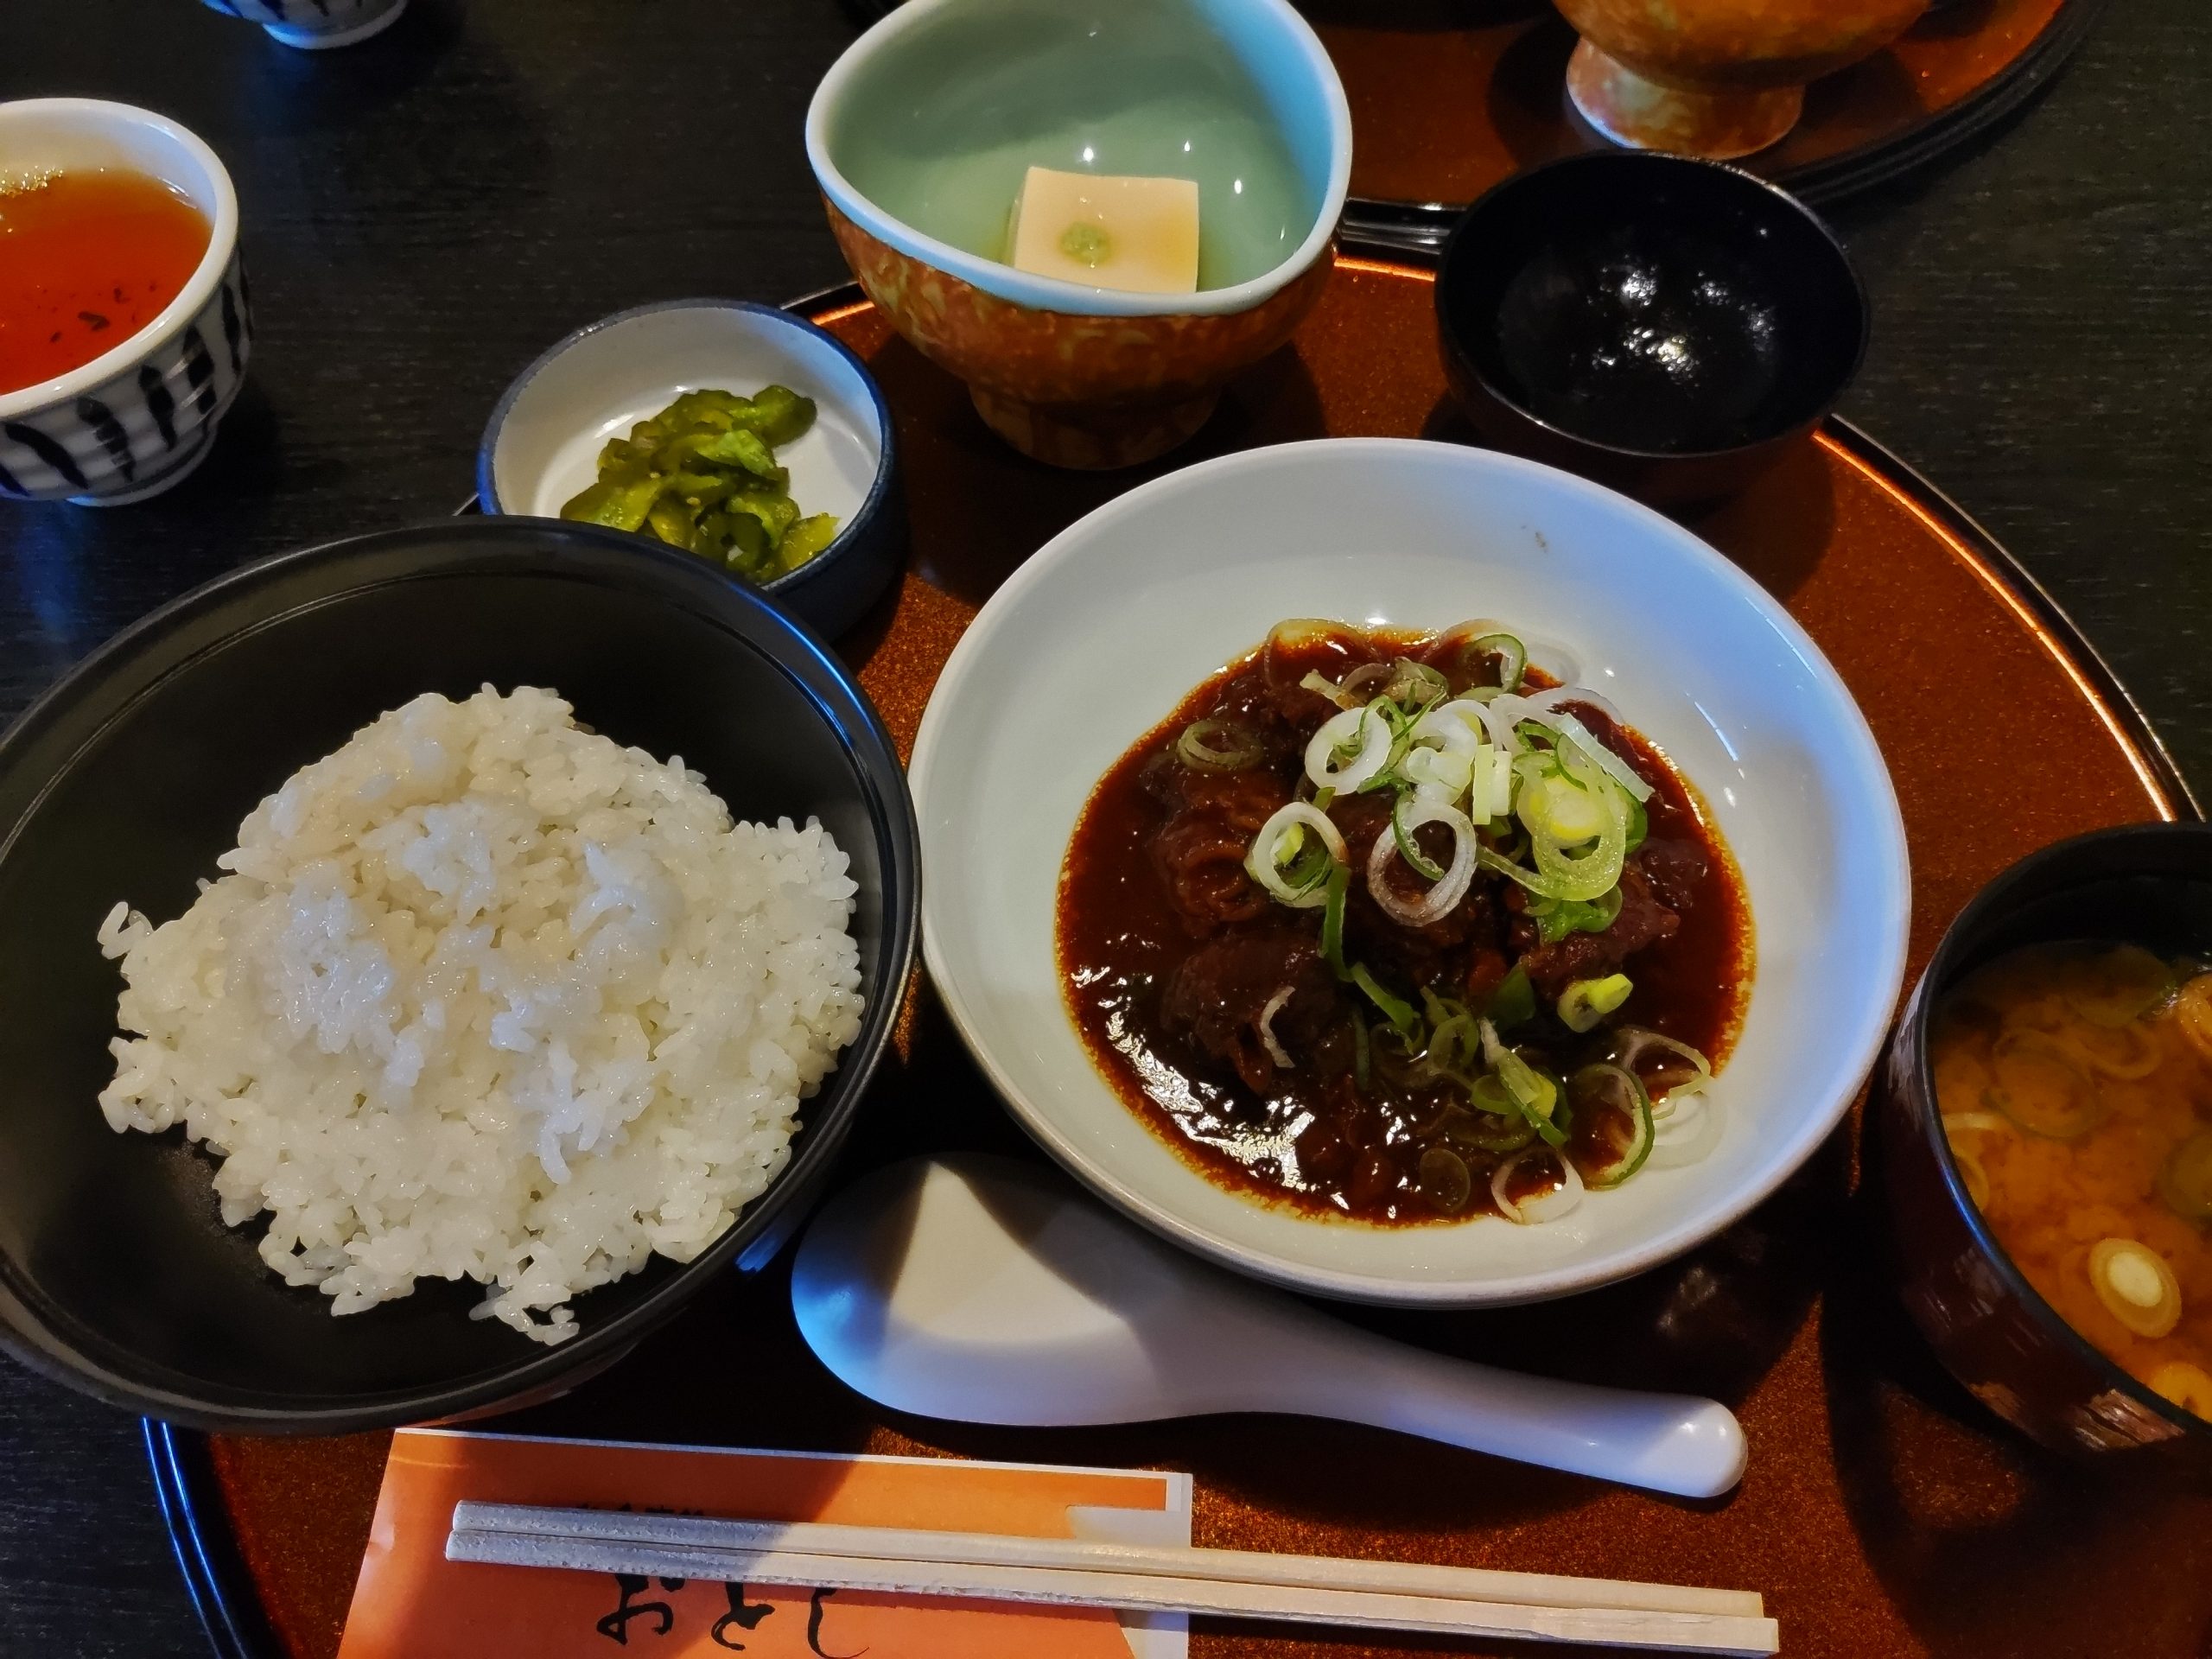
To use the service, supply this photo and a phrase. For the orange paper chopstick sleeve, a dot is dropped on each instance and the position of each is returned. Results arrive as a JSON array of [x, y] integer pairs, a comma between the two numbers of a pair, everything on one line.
[[411, 1603]]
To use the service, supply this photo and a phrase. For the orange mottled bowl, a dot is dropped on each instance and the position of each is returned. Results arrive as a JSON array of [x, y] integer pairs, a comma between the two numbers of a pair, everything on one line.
[[1715, 78], [919, 136]]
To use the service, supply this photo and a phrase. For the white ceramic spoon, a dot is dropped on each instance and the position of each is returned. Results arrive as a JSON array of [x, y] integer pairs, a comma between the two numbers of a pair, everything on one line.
[[984, 1291]]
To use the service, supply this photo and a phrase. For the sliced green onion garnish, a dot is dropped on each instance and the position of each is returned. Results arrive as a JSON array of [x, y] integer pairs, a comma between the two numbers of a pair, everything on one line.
[[1280, 860], [1557, 918], [1417, 687], [1316, 681], [1586, 1001], [1397, 1011], [1427, 869], [1616, 768], [1535, 1094], [1632, 1043], [1217, 746], [1453, 1044], [1612, 1086], [1537, 881], [1514, 657], [1444, 1178], [1514, 1002], [1494, 1128], [1359, 1052], [1304, 875], [1401, 740], [1585, 875], [2184, 1179], [1350, 748], [1490, 1095], [1332, 920], [1562, 1111], [1439, 1008]]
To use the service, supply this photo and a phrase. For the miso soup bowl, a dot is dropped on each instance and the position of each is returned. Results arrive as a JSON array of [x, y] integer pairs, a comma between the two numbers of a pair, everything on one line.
[[919, 136], [136, 420], [2149, 885]]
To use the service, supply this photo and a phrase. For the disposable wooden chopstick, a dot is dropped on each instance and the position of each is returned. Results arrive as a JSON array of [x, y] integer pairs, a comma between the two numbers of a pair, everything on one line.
[[1382, 1595], [1227, 1565]]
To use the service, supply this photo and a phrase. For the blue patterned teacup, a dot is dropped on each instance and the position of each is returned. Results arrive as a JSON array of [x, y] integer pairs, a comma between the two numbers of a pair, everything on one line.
[[136, 418], [315, 25]]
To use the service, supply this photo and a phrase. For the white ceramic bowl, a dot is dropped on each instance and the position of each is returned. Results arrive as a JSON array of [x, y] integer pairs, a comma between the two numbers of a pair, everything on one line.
[[542, 443], [136, 419], [1100, 635]]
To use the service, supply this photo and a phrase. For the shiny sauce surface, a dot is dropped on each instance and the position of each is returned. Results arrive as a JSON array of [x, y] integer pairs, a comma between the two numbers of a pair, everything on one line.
[[87, 259], [1314, 1138]]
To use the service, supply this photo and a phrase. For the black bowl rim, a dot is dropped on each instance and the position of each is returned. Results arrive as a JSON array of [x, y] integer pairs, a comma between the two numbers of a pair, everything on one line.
[[1913, 1031], [848, 535], [522, 546], [1545, 177]]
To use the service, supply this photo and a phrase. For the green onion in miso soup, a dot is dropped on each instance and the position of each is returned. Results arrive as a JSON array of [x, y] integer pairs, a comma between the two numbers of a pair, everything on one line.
[[702, 476]]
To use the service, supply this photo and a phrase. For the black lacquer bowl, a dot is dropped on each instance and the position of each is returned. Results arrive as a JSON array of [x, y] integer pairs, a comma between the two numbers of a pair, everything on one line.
[[1666, 327], [2148, 885], [131, 777]]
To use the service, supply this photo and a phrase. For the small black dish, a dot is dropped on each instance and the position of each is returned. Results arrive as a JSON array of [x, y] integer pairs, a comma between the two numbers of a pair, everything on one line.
[[1664, 326], [131, 775], [2149, 885]]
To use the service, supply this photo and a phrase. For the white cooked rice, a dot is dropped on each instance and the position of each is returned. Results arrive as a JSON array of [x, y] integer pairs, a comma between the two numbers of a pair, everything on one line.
[[488, 996]]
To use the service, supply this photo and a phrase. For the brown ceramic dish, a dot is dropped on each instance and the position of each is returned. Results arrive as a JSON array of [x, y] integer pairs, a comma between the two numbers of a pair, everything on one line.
[[1722, 78], [1670, 328], [2148, 883], [919, 135]]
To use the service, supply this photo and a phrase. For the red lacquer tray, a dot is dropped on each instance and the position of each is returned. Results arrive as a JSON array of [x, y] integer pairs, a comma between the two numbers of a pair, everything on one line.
[[1885, 1514]]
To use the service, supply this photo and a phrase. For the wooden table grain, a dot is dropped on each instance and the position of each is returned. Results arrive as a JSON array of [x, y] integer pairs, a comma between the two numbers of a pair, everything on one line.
[[424, 213]]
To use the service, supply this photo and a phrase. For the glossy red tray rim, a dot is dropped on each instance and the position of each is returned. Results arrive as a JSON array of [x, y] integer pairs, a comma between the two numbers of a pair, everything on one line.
[[2018, 590], [222, 1588]]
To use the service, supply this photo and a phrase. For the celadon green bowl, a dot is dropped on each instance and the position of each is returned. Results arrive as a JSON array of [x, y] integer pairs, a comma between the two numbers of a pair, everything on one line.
[[919, 136]]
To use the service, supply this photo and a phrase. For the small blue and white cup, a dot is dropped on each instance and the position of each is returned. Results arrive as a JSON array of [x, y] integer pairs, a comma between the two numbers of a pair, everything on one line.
[[137, 418], [314, 25]]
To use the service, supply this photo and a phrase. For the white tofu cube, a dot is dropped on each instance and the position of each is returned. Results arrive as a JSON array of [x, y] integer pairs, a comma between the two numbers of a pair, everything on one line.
[[1108, 230]]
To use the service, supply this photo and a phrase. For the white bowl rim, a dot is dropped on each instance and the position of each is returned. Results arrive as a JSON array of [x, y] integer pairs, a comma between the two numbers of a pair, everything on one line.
[[887, 457], [1048, 293], [198, 287], [1873, 1021]]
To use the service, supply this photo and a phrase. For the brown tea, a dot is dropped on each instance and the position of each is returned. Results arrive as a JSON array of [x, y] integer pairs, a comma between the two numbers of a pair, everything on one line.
[[87, 259]]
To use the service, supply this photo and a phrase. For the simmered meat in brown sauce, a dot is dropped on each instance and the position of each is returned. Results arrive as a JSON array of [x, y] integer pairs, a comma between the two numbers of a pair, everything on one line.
[[1193, 987]]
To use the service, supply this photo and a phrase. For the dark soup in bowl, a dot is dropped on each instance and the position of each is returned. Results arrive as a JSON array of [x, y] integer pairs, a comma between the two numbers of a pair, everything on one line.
[[2075, 1081]]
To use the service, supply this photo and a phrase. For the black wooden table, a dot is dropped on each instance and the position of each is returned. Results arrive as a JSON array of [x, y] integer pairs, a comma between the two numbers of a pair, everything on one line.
[[424, 213]]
